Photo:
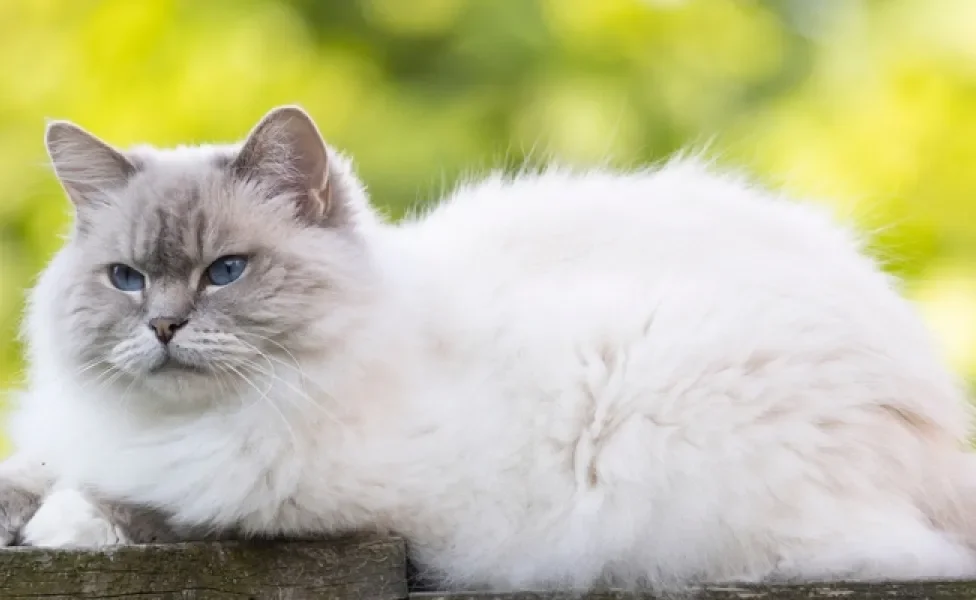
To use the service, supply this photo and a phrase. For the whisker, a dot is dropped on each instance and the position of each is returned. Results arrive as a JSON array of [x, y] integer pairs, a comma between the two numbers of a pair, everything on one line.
[[284, 349], [297, 363], [103, 376], [220, 368], [267, 400], [89, 366], [218, 371], [123, 400], [262, 394], [300, 393]]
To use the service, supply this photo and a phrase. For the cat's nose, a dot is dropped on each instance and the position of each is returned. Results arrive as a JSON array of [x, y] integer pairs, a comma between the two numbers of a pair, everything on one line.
[[165, 327]]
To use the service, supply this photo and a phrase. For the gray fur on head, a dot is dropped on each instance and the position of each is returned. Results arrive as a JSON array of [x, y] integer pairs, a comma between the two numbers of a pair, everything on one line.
[[282, 199]]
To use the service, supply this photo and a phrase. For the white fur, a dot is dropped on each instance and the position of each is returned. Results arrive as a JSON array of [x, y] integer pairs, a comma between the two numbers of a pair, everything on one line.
[[67, 518], [655, 378]]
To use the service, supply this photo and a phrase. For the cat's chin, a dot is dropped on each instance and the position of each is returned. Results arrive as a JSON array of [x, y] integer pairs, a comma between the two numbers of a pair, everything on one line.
[[181, 383]]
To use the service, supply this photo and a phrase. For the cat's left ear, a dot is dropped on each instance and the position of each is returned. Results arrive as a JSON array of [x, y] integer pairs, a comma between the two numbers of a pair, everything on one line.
[[286, 152], [87, 167]]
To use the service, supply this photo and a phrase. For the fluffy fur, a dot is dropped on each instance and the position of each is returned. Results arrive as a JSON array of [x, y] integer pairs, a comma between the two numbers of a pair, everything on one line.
[[555, 380]]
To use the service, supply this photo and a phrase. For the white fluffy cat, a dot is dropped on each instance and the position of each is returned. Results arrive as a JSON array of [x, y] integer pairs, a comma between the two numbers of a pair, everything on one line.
[[554, 380]]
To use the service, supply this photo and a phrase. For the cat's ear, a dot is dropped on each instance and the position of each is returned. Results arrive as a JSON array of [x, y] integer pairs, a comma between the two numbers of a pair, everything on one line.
[[286, 152], [86, 166]]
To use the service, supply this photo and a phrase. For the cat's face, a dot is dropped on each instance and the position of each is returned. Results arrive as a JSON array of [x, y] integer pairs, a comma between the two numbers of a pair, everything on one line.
[[203, 272]]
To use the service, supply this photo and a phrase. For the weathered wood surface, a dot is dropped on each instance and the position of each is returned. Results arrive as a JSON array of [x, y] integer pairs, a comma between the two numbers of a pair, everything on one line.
[[936, 590], [338, 569], [349, 568]]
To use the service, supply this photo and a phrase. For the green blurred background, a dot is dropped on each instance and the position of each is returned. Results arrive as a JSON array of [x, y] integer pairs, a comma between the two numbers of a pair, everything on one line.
[[869, 105]]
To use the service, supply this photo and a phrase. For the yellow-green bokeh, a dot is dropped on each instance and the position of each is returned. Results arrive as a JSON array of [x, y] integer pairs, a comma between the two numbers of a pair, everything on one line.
[[869, 105]]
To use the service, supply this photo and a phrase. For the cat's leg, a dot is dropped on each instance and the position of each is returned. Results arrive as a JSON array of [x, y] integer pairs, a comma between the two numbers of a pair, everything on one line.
[[71, 518], [23, 482], [142, 525], [902, 550]]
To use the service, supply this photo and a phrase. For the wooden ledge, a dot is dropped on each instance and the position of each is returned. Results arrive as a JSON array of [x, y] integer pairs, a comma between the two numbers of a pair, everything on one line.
[[351, 568], [936, 590], [355, 567]]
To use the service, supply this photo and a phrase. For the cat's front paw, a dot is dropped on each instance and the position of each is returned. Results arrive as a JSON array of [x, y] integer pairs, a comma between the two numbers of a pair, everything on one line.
[[17, 506], [68, 518]]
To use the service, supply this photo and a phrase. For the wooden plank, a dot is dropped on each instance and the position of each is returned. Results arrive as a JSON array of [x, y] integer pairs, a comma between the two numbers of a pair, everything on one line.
[[930, 590], [352, 567], [341, 569]]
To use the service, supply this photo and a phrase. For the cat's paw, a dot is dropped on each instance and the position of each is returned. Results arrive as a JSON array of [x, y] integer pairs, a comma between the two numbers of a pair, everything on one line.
[[17, 506], [67, 518]]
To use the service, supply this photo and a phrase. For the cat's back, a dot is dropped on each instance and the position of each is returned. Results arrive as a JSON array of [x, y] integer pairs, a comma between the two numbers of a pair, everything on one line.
[[681, 216], [597, 241], [681, 268]]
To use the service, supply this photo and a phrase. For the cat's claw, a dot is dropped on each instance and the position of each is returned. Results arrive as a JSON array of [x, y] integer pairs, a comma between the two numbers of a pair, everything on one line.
[[67, 518]]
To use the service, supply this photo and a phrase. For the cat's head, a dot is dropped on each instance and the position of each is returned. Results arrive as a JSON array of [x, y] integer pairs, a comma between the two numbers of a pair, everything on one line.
[[193, 271]]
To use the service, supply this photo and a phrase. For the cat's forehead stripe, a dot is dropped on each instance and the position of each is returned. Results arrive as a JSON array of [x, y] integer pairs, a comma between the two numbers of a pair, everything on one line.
[[171, 236]]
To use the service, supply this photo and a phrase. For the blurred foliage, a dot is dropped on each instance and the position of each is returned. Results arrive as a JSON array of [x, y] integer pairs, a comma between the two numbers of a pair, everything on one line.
[[870, 105]]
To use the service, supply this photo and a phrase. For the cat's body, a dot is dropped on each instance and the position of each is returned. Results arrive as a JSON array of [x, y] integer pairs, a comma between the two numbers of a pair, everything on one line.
[[648, 378]]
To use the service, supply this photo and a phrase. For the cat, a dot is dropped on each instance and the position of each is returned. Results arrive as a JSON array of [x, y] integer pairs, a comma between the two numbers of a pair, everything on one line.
[[560, 379]]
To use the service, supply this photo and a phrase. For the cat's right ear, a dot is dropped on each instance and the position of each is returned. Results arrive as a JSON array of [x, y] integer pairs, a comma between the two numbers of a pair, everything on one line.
[[86, 166]]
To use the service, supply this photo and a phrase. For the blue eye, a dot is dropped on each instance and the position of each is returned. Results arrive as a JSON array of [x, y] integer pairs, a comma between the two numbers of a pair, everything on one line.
[[126, 278], [226, 269]]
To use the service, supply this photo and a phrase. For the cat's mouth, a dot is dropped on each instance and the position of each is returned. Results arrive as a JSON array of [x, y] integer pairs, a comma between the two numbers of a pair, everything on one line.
[[172, 365]]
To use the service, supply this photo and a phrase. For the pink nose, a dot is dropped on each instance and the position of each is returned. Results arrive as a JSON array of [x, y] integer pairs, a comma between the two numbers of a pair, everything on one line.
[[166, 327]]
